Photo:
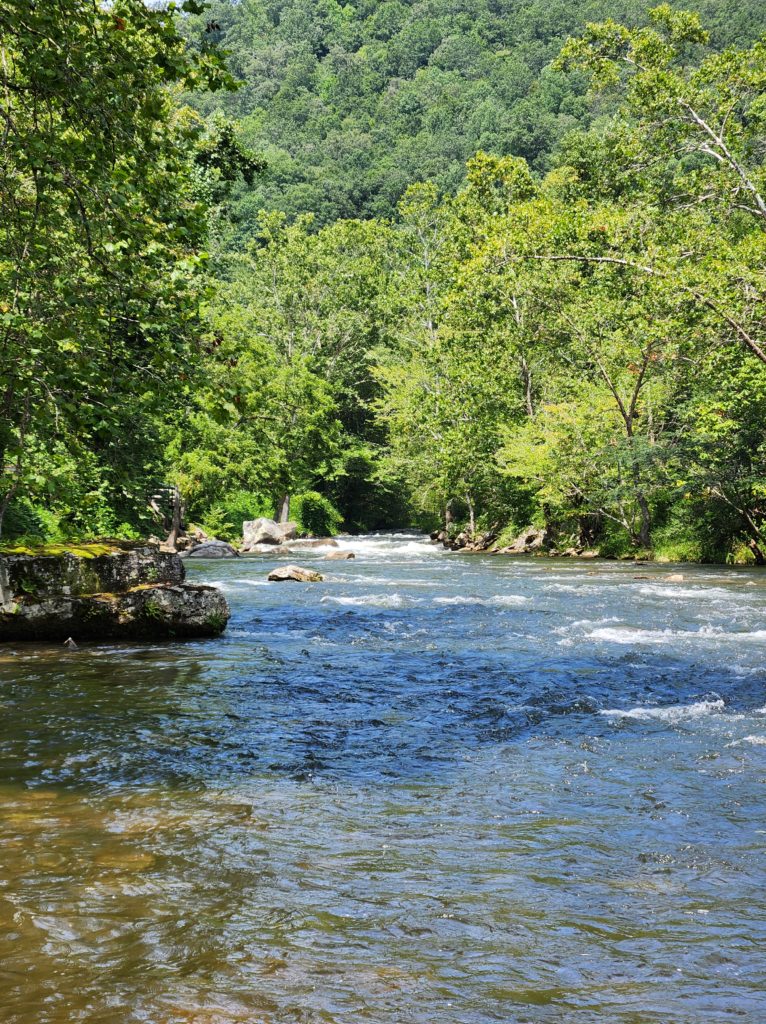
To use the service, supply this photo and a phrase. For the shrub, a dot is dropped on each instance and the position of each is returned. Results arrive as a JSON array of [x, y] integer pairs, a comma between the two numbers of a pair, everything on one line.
[[315, 514], [24, 519], [224, 519]]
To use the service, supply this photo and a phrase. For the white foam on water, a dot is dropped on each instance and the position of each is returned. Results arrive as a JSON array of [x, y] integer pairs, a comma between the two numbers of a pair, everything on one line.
[[756, 741], [381, 546], [635, 635], [584, 623], [372, 600], [305, 544], [380, 581], [569, 588], [670, 713], [673, 591], [239, 587], [632, 635], [499, 600]]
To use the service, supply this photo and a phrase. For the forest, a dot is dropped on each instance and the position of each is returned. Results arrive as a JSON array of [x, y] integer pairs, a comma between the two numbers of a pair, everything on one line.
[[481, 263]]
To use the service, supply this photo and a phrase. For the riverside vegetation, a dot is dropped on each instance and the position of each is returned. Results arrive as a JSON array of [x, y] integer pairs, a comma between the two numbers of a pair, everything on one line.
[[384, 263]]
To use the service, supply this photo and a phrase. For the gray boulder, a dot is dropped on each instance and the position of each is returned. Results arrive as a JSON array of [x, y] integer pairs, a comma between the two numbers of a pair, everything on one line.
[[261, 549], [295, 574], [289, 530], [145, 613], [533, 540], [261, 531], [212, 549]]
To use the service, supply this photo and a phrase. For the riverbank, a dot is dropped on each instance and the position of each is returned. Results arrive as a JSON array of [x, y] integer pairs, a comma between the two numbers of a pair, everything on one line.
[[545, 543]]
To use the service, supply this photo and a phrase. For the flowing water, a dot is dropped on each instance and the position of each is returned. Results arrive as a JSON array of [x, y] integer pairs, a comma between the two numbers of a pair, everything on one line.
[[432, 789]]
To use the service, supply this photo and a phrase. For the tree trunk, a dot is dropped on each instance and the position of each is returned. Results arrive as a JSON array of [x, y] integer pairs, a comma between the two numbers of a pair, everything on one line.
[[177, 521], [644, 534], [757, 552], [447, 516], [284, 509], [471, 517], [5, 502], [526, 379]]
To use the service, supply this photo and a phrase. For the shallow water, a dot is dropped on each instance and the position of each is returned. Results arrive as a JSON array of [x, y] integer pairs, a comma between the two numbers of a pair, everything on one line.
[[434, 788]]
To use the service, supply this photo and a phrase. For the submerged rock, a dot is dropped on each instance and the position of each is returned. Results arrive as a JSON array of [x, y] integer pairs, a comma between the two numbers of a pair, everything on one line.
[[259, 549], [104, 592], [294, 573], [340, 556]]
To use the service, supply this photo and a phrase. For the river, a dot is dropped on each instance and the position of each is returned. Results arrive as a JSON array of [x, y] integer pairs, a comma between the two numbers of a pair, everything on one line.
[[434, 789]]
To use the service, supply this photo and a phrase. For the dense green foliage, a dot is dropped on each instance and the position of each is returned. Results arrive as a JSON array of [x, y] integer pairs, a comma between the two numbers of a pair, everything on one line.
[[487, 275], [315, 514], [100, 264], [351, 103]]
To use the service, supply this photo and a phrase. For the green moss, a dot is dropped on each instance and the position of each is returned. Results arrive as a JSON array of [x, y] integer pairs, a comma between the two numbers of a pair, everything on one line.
[[89, 549]]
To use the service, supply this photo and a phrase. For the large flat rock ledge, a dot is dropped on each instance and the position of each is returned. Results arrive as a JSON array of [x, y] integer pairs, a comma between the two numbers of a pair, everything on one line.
[[106, 591]]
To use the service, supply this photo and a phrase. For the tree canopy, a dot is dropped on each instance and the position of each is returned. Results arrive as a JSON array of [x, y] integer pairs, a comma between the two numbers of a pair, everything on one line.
[[431, 263], [352, 103]]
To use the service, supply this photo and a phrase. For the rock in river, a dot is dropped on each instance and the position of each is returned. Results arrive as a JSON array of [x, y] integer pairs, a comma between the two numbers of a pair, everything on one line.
[[340, 556], [212, 549], [261, 531], [104, 591], [287, 573]]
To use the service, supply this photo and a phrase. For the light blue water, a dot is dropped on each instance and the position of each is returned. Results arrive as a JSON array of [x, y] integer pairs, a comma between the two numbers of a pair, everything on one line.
[[433, 788]]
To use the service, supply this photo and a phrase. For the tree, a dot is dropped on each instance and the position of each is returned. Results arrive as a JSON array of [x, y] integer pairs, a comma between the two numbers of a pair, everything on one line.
[[100, 237], [295, 328]]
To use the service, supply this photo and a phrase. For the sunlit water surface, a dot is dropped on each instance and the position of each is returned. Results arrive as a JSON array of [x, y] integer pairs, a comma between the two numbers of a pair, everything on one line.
[[433, 788]]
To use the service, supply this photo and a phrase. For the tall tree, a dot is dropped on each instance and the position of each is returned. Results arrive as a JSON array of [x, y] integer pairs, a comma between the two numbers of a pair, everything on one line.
[[101, 232]]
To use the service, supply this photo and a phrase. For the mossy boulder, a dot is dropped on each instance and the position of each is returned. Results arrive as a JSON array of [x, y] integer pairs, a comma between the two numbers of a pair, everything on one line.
[[89, 569], [107, 592]]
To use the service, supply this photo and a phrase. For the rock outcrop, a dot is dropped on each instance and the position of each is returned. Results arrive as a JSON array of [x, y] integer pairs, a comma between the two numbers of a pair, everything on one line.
[[109, 591], [531, 540], [465, 543], [294, 574]]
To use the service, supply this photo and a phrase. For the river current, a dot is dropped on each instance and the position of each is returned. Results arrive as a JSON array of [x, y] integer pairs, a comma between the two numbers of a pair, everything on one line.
[[434, 789]]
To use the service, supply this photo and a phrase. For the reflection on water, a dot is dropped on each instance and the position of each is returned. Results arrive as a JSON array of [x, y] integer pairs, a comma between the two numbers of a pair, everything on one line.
[[432, 789]]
